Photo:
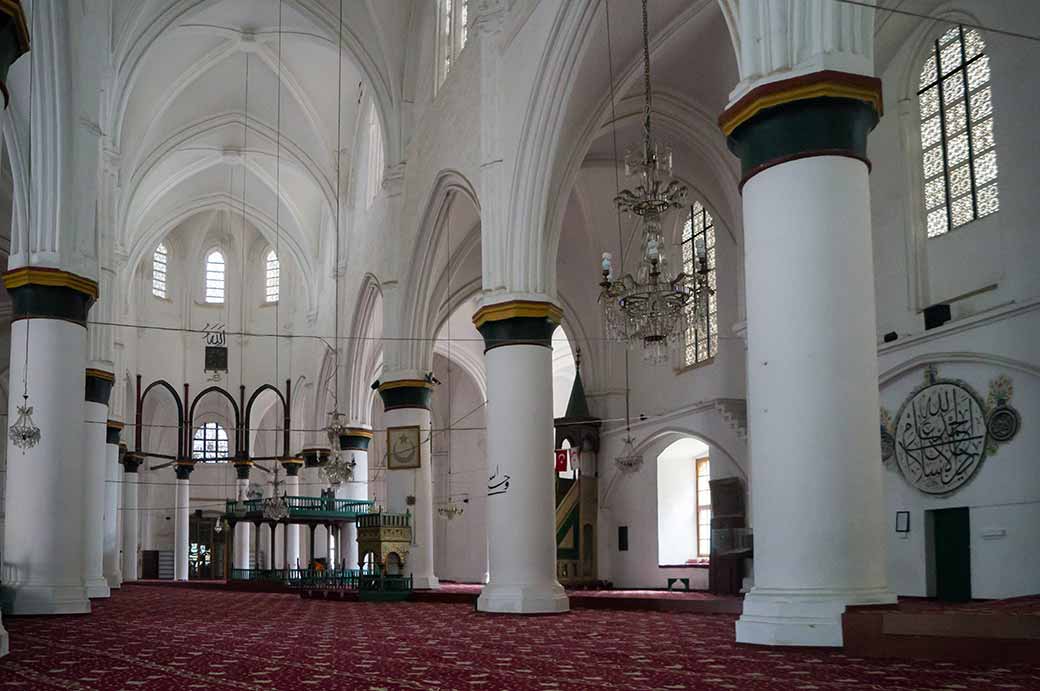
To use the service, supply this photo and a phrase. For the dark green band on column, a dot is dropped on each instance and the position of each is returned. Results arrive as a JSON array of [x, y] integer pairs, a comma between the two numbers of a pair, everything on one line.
[[813, 127], [242, 470], [313, 457], [98, 386], [355, 442], [112, 432], [183, 469], [49, 302], [292, 466], [406, 394], [132, 461], [517, 331]]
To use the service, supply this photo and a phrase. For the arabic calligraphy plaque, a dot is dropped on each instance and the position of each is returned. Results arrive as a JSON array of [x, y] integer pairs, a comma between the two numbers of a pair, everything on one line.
[[940, 437]]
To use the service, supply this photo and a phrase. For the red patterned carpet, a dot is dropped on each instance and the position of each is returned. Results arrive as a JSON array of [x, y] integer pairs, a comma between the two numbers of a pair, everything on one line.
[[164, 639]]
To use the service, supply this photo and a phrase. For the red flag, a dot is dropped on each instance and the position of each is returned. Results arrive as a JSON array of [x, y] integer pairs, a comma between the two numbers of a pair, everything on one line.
[[561, 460]]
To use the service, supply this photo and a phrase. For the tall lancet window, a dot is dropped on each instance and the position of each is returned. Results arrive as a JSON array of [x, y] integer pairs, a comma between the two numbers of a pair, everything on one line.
[[215, 277], [209, 442], [159, 264], [452, 32], [959, 155], [702, 335], [271, 277]]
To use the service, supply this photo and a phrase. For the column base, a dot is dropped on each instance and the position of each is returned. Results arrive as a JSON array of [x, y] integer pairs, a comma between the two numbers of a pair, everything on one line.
[[28, 599], [114, 580], [424, 582], [810, 617], [97, 588], [523, 599]]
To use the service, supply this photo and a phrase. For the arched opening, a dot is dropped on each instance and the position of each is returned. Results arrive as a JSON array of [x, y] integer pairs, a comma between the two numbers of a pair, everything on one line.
[[683, 503]]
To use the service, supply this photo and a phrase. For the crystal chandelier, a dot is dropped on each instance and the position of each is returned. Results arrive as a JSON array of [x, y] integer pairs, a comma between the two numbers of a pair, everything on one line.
[[338, 469], [275, 508], [628, 461], [652, 308], [335, 429], [24, 433]]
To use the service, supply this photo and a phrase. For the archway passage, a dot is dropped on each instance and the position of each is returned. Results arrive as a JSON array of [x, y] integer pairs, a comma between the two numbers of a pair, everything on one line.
[[683, 503]]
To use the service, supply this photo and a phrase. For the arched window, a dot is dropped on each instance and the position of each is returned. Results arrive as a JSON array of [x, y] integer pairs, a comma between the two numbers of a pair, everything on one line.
[[215, 277], [959, 158], [210, 442], [375, 155], [698, 253], [159, 258], [271, 277], [452, 30]]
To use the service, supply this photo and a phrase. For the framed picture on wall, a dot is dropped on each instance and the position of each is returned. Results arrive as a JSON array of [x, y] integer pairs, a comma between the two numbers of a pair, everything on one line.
[[402, 447], [902, 521]]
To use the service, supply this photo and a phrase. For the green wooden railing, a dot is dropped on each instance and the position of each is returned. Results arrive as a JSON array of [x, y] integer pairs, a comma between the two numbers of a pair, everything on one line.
[[383, 520], [305, 507], [346, 579]]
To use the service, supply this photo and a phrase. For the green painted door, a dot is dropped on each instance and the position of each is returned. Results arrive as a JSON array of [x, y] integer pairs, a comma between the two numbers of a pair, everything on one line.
[[952, 555]]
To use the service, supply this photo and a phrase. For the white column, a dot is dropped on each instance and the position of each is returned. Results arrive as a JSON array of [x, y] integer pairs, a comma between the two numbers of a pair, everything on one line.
[[180, 528], [131, 462], [357, 443], [417, 482], [4, 645], [44, 531], [816, 491], [113, 477], [242, 529], [520, 505], [95, 454], [292, 531]]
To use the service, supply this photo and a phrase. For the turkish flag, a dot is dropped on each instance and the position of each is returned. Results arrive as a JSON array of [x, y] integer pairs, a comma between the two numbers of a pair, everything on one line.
[[561, 460]]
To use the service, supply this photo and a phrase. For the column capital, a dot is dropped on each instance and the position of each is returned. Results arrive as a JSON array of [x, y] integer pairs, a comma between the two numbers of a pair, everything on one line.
[[242, 469], [405, 393], [113, 428], [312, 457], [132, 461], [292, 465], [98, 385], [355, 439], [40, 291], [183, 469], [517, 322], [825, 113]]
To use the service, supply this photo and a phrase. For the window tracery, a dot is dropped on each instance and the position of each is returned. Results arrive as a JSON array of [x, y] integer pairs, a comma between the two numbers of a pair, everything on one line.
[[215, 277], [702, 339], [159, 267], [272, 277], [210, 442], [959, 157]]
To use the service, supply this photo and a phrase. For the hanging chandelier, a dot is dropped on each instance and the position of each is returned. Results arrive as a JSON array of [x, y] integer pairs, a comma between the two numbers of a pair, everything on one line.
[[338, 469], [652, 308], [24, 433], [275, 508], [450, 510]]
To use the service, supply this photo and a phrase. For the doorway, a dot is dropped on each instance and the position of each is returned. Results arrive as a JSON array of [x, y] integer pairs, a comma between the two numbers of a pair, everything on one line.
[[951, 551], [205, 548]]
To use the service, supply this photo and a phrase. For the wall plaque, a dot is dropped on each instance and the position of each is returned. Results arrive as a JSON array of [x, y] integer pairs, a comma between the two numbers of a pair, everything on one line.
[[944, 431]]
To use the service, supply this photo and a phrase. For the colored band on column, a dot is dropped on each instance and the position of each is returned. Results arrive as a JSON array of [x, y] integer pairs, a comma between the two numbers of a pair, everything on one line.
[[292, 466], [98, 386], [406, 393], [242, 469], [355, 439], [313, 457], [50, 294], [132, 461], [517, 322], [826, 113], [112, 431], [183, 469]]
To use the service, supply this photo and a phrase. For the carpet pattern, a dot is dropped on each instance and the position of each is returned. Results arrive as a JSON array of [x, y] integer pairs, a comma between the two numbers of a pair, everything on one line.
[[164, 639]]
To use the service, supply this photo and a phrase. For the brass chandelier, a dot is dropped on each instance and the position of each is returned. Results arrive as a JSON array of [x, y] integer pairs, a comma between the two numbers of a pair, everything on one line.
[[653, 308]]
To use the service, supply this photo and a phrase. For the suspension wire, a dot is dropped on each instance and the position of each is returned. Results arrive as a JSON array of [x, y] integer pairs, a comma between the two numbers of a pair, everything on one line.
[[278, 199], [242, 297], [617, 185], [339, 159], [28, 205]]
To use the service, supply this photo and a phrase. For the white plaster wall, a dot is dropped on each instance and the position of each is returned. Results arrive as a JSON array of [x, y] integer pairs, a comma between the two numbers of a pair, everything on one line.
[[677, 501]]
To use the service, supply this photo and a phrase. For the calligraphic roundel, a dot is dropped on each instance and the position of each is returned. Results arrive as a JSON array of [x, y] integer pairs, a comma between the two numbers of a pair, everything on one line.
[[940, 436]]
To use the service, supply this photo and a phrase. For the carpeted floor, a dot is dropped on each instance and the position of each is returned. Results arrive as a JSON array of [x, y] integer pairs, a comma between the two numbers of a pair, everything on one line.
[[164, 639]]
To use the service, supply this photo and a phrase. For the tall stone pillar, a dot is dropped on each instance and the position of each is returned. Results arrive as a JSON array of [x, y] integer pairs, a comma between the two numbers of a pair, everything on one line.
[[292, 531], [816, 489], [180, 527], [354, 445], [131, 523], [113, 482], [520, 507], [44, 532], [242, 528], [409, 478], [95, 452]]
